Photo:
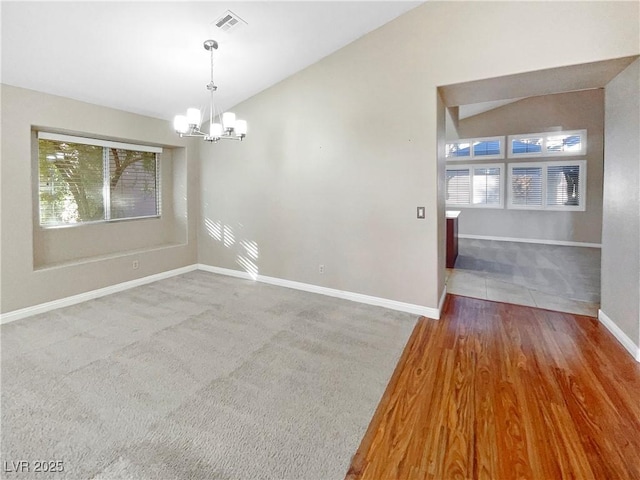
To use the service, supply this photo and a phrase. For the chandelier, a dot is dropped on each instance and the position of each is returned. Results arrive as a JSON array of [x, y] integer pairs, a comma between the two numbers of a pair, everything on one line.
[[189, 125]]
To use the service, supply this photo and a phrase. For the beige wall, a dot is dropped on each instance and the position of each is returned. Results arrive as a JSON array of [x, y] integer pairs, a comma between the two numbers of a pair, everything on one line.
[[570, 111], [43, 265], [339, 155], [621, 225]]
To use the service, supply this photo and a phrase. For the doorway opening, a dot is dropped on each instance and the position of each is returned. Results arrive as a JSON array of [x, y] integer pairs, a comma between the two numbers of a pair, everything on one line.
[[525, 235]]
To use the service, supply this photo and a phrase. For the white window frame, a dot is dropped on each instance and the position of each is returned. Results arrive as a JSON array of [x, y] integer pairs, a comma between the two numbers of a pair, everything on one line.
[[471, 168], [45, 135], [473, 157], [544, 152], [582, 185]]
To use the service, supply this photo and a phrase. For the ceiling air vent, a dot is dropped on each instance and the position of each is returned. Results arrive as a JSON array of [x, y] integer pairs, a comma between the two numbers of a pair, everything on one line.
[[228, 22]]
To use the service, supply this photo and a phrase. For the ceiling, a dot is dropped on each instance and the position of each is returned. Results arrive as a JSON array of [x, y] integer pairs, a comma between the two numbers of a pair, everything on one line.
[[148, 57], [492, 91], [479, 96], [471, 109]]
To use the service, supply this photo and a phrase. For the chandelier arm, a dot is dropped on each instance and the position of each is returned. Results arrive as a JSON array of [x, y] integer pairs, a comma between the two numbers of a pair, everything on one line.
[[208, 138], [195, 133], [228, 128]]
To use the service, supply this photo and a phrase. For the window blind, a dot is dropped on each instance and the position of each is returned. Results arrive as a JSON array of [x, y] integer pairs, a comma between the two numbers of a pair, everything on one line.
[[133, 184], [71, 182], [564, 143], [83, 182], [486, 147], [472, 148], [526, 186], [563, 185], [552, 144], [458, 150], [520, 146], [486, 186], [458, 186]]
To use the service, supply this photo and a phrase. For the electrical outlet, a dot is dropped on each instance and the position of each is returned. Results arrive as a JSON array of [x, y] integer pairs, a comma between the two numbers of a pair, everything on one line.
[[321, 268], [136, 264]]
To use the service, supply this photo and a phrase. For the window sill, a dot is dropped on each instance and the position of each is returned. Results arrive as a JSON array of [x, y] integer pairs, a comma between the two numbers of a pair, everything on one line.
[[102, 258]]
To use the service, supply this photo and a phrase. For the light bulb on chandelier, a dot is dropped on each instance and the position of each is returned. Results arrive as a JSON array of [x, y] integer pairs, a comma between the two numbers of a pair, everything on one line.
[[189, 125]]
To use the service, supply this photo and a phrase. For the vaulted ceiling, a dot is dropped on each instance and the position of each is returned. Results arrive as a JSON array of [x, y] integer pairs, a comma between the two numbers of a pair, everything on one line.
[[480, 96], [148, 57]]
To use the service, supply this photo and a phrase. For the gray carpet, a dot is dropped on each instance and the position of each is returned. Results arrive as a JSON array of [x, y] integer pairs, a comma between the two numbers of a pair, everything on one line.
[[198, 376]]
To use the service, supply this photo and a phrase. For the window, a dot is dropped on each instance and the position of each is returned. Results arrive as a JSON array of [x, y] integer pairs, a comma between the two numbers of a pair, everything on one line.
[[564, 185], [478, 186], [525, 145], [461, 149], [458, 186], [480, 148], [87, 180], [526, 186], [487, 148], [487, 186], [548, 144], [548, 185]]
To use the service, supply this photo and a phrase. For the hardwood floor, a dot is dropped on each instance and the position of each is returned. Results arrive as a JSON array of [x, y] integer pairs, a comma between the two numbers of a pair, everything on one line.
[[499, 391]]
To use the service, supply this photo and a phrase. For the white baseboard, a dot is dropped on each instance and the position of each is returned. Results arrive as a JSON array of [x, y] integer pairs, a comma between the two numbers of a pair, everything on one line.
[[101, 292], [331, 292], [531, 240], [83, 297], [434, 313], [622, 337]]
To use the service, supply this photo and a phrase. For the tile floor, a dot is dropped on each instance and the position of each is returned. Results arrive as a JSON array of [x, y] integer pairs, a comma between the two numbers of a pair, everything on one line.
[[560, 278]]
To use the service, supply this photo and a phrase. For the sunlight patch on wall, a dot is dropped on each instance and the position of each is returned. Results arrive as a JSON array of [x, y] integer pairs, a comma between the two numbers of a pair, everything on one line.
[[248, 266], [213, 229], [247, 250], [227, 235], [247, 259], [219, 232], [251, 248]]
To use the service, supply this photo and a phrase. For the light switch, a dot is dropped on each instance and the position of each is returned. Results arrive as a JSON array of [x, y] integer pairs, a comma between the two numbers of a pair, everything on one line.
[[420, 212]]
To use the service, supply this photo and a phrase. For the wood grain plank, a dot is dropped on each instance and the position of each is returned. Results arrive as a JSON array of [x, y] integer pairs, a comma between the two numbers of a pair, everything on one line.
[[501, 391]]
